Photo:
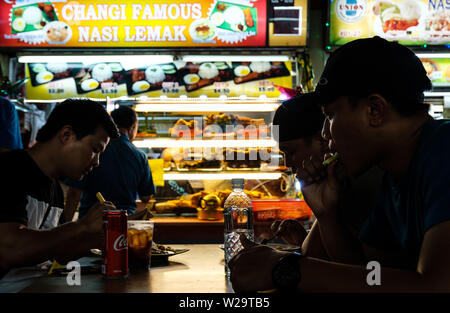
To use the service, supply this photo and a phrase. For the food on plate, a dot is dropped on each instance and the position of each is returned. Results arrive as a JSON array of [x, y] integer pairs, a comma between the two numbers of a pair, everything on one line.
[[57, 31], [221, 7], [18, 12], [221, 65], [397, 17], [242, 70], [260, 66], [208, 70], [217, 18], [57, 67], [160, 249], [19, 24], [140, 86], [48, 10], [32, 15], [89, 84], [169, 68], [259, 70], [437, 25], [190, 79], [96, 76], [154, 74], [203, 29], [198, 75], [44, 77], [38, 67], [115, 67], [234, 15], [248, 17], [102, 72]]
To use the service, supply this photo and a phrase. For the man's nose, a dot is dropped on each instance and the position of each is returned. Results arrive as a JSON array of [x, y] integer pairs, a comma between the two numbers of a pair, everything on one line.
[[96, 160], [326, 130]]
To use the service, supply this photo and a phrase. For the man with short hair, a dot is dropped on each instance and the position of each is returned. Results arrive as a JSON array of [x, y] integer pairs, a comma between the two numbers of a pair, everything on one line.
[[123, 173], [68, 145], [371, 91], [299, 121]]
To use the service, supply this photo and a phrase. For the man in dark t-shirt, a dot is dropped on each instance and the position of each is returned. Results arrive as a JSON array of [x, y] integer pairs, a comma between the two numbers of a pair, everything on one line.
[[123, 172], [372, 95], [68, 145]]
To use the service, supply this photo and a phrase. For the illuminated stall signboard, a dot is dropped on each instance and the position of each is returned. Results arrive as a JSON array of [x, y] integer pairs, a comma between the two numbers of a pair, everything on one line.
[[134, 23], [410, 22]]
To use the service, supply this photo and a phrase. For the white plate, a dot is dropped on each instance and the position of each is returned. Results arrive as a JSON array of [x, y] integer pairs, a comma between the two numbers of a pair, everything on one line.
[[60, 25]]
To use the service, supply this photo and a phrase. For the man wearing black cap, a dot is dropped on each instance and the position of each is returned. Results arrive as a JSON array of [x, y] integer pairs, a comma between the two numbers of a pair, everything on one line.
[[371, 91], [299, 121]]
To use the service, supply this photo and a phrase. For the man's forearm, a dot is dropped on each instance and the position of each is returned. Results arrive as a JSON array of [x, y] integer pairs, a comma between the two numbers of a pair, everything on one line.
[[24, 246], [312, 245], [323, 276], [339, 243]]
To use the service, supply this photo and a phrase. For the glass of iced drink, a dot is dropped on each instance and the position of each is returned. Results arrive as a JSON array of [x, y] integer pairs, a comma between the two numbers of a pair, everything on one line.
[[140, 237]]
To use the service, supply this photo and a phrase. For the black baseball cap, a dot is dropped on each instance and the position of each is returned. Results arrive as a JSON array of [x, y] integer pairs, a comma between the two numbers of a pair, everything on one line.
[[374, 65], [299, 117]]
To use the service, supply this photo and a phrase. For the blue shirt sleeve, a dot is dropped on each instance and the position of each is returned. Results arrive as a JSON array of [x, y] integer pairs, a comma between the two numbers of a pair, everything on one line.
[[10, 136], [146, 187]]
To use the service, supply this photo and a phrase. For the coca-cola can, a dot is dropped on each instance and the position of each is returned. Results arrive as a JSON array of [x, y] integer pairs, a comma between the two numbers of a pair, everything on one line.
[[115, 248]]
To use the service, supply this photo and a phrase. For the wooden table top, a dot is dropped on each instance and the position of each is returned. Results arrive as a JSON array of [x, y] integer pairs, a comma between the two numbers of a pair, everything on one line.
[[200, 270]]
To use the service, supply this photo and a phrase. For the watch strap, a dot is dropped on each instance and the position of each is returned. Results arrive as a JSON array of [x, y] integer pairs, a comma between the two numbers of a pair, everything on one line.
[[286, 273]]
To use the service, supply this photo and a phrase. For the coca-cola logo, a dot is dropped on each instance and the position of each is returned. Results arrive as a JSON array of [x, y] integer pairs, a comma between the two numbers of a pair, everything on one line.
[[121, 243]]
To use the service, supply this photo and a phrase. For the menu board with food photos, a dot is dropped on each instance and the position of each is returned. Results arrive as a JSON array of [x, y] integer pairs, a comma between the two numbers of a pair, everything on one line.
[[133, 23], [438, 70], [410, 22], [114, 79]]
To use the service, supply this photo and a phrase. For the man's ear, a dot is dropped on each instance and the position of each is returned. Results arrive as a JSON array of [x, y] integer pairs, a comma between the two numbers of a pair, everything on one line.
[[66, 134], [377, 109]]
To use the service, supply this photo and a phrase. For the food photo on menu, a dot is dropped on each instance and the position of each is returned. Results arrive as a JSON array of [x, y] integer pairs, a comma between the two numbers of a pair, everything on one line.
[[227, 21], [410, 20], [198, 75], [150, 78], [38, 23], [249, 71], [42, 73], [97, 76]]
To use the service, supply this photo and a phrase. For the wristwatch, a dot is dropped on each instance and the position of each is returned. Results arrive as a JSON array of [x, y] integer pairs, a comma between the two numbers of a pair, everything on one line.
[[286, 273]]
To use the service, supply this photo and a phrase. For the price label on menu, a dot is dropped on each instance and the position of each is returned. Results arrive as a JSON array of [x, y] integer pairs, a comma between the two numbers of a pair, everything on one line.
[[222, 87]]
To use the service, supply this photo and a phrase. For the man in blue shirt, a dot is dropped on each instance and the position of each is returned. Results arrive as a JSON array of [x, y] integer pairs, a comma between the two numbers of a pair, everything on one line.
[[10, 138], [123, 173], [371, 91]]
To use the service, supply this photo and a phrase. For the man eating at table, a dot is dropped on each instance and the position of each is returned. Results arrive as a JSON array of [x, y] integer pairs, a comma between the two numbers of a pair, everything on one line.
[[68, 145], [371, 92]]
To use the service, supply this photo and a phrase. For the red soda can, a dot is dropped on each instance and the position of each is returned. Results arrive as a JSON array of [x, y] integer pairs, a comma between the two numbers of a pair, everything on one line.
[[115, 248]]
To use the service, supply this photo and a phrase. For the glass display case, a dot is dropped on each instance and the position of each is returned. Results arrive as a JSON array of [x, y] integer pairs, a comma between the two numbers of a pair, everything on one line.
[[204, 143], [201, 144]]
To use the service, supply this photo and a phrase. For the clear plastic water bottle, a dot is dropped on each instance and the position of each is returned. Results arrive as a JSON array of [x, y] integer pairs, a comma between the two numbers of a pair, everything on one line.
[[238, 219]]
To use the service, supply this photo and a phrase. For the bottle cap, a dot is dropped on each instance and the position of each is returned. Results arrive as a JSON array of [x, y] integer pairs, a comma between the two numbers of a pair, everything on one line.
[[237, 182]]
